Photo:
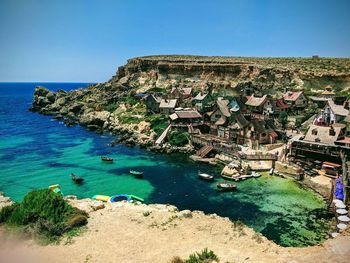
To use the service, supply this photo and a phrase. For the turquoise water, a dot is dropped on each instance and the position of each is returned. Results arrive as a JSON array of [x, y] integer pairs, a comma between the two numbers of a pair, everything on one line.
[[36, 151]]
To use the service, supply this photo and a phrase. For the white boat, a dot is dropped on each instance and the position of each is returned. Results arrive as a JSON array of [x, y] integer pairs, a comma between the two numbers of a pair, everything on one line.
[[205, 176], [255, 174]]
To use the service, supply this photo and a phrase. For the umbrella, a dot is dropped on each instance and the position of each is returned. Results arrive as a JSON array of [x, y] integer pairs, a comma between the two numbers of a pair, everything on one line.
[[334, 235], [341, 211], [341, 226], [340, 205], [344, 218], [337, 201]]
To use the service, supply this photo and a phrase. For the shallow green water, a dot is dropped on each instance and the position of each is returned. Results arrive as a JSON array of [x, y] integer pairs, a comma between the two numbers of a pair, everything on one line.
[[36, 152]]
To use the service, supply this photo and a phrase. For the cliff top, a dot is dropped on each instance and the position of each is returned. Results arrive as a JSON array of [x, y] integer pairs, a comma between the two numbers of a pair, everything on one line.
[[317, 65]]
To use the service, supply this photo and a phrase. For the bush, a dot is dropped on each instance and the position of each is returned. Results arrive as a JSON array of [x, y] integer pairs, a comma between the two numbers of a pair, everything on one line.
[[178, 138], [158, 123], [205, 256], [7, 211], [43, 212]]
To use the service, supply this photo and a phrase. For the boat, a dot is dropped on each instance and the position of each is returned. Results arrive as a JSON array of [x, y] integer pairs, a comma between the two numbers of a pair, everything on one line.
[[76, 179], [120, 197], [237, 178], [206, 177], [107, 159], [103, 198], [256, 175], [136, 173], [226, 187]]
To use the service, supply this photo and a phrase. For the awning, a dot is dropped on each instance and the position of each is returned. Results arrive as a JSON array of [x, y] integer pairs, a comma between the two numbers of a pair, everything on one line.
[[331, 165]]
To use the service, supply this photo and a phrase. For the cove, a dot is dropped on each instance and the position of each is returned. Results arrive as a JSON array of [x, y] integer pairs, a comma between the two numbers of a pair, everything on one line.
[[36, 151]]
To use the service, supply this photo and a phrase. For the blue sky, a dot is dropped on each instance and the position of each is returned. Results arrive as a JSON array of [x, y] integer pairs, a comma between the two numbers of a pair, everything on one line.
[[82, 40]]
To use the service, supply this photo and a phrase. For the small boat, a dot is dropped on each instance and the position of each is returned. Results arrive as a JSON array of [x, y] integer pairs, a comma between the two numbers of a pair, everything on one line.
[[206, 177], [76, 179], [226, 187], [103, 198], [120, 197], [256, 175], [136, 173], [107, 159]]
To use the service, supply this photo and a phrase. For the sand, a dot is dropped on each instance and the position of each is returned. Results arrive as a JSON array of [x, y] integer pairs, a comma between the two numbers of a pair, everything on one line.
[[124, 232]]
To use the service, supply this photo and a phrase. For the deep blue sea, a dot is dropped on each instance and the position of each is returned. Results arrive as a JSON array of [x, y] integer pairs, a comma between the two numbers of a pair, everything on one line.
[[36, 151]]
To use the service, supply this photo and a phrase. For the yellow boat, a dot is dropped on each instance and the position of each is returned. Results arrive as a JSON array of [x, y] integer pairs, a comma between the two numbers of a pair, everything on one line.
[[103, 198]]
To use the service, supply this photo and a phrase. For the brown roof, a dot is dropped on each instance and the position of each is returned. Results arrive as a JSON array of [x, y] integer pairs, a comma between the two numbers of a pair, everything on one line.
[[322, 134], [188, 114], [256, 101]]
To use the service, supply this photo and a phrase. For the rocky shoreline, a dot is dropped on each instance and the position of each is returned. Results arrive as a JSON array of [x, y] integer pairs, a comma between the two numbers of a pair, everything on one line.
[[67, 107]]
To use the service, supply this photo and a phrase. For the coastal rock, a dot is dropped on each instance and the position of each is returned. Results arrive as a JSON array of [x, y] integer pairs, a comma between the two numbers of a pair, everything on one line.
[[4, 201], [185, 214], [87, 205]]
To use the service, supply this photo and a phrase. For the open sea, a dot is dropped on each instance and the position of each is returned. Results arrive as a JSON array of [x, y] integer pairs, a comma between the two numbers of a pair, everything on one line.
[[36, 151]]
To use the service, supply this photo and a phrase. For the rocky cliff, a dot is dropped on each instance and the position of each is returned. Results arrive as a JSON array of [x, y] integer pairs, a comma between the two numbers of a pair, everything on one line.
[[111, 105]]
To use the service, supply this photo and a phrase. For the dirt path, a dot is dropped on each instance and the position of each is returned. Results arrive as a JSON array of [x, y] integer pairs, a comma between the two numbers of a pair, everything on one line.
[[138, 233]]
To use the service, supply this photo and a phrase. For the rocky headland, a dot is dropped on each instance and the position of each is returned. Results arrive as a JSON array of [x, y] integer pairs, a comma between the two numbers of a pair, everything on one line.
[[112, 106]]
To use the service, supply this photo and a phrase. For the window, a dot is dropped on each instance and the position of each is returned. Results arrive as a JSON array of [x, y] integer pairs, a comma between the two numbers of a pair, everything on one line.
[[332, 132], [314, 132]]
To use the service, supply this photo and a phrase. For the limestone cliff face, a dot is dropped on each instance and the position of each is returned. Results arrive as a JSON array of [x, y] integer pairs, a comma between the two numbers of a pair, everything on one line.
[[267, 75]]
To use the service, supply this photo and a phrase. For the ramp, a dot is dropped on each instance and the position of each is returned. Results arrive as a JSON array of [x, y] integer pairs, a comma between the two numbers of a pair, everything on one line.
[[163, 135]]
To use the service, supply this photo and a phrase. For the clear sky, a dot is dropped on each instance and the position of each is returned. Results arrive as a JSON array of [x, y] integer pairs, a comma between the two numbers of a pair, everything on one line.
[[82, 40]]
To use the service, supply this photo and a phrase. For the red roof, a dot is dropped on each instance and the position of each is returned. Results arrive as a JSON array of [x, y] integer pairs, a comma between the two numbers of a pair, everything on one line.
[[292, 95], [346, 140], [273, 134], [281, 103]]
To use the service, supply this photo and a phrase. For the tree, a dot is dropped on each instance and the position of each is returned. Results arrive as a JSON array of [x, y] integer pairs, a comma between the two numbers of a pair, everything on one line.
[[283, 119]]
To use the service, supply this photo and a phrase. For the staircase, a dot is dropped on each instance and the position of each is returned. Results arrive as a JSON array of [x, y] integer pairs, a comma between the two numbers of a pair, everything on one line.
[[202, 152]]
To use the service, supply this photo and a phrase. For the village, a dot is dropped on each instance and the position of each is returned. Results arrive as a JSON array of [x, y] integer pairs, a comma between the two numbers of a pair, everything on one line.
[[304, 137]]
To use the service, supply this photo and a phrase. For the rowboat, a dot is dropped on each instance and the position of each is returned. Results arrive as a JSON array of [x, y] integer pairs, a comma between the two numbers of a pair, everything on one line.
[[136, 173], [76, 179], [255, 174], [206, 177], [107, 159], [226, 187]]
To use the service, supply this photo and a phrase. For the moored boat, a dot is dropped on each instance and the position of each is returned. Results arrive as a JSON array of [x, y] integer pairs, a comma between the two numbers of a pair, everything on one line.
[[107, 159], [205, 176], [226, 187], [136, 173], [76, 179]]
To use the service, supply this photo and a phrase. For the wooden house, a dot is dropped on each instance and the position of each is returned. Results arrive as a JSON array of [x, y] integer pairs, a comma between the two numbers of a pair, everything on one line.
[[259, 105], [167, 106], [201, 101], [186, 117], [295, 99], [180, 93], [332, 113], [152, 103]]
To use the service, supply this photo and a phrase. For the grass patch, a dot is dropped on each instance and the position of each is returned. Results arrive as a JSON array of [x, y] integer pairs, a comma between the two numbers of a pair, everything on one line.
[[158, 123]]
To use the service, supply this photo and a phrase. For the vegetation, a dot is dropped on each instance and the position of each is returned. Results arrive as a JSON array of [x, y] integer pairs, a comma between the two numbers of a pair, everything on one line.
[[158, 123], [178, 138], [283, 119], [43, 213], [206, 256]]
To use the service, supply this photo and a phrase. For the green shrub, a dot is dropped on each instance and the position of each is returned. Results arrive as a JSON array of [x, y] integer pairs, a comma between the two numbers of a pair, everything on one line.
[[178, 138], [205, 256], [7, 211], [111, 107], [43, 212], [158, 123]]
